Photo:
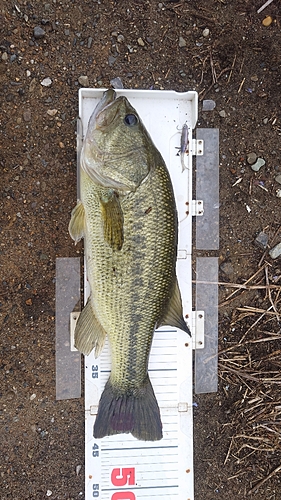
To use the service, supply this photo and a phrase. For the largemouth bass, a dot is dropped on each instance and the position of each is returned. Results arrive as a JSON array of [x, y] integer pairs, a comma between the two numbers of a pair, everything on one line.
[[127, 217]]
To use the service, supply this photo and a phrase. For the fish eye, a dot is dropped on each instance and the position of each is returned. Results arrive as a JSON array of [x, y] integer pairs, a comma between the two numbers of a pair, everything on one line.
[[130, 120]]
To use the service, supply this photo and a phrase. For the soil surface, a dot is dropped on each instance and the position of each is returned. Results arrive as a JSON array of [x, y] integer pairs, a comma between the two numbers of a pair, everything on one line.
[[221, 49]]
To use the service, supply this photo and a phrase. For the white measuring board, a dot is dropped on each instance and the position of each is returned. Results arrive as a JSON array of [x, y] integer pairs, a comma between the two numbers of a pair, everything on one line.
[[121, 467]]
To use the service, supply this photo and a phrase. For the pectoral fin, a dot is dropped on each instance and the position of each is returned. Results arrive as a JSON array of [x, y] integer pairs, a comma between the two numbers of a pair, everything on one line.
[[76, 226], [89, 333], [112, 217], [174, 315]]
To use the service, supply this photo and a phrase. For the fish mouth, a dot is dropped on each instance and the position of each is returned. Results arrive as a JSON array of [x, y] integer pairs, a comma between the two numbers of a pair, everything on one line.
[[107, 110], [108, 98]]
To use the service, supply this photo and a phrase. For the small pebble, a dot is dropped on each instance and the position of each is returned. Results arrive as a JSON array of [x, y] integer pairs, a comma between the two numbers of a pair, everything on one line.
[[28, 302], [251, 158], [33, 396], [49, 493], [27, 115], [4, 56], [83, 80], [278, 178], [262, 240], [206, 32], [61, 145], [278, 193], [227, 268], [254, 78], [267, 21], [90, 41], [208, 105], [28, 73], [141, 42], [257, 166], [275, 251], [182, 42], [120, 39], [38, 32], [46, 82], [117, 83], [52, 112], [78, 468], [222, 113], [265, 121]]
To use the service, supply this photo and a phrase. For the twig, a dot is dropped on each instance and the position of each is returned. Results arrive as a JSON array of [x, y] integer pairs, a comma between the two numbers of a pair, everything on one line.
[[264, 6], [232, 67], [260, 483], [228, 453], [241, 85], [211, 86], [214, 76], [269, 294]]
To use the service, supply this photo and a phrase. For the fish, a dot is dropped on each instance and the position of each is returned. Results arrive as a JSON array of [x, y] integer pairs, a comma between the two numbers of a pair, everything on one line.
[[184, 145], [127, 216]]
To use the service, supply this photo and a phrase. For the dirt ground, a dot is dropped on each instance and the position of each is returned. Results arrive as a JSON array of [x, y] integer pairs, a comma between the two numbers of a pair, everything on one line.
[[156, 45]]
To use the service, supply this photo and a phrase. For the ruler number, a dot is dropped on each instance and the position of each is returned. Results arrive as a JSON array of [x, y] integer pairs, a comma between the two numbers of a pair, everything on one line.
[[95, 450], [96, 492], [121, 477], [95, 371]]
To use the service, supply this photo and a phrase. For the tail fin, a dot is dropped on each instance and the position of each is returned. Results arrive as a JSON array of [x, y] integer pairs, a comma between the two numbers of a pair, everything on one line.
[[135, 411]]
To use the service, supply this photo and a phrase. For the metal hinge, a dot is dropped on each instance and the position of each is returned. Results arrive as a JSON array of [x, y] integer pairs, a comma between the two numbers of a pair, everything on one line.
[[197, 207], [197, 329], [197, 147]]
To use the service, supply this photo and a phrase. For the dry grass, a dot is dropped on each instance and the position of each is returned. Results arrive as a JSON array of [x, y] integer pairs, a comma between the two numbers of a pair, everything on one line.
[[250, 373]]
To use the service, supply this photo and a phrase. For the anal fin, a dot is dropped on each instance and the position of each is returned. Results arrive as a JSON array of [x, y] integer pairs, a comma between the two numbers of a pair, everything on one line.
[[89, 333]]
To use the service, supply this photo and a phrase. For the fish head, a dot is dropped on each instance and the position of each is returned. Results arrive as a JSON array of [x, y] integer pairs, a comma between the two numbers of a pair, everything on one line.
[[118, 151]]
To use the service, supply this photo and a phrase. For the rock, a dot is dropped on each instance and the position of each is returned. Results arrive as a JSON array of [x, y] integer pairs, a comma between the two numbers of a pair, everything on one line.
[[206, 32], [46, 82], [141, 42], [267, 21], [28, 73], [222, 113], [112, 59], [227, 268], [38, 32], [27, 115], [251, 158], [117, 83], [257, 166], [208, 105], [278, 193], [120, 39], [52, 112], [278, 178], [32, 85], [265, 121], [83, 80], [90, 41], [275, 251], [261, 240], [4, 56], [182, 42]]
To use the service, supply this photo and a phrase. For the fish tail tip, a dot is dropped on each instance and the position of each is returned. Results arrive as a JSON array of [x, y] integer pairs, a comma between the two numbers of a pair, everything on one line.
[[137, 414]]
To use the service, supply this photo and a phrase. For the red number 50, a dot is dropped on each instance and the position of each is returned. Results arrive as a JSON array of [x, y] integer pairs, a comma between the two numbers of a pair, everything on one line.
[[121, 477]]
